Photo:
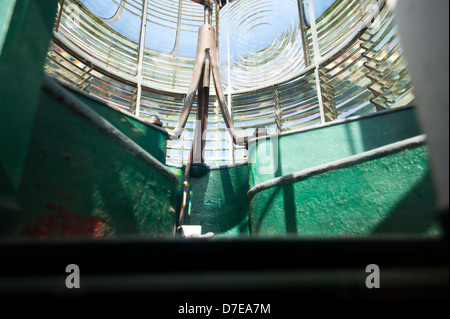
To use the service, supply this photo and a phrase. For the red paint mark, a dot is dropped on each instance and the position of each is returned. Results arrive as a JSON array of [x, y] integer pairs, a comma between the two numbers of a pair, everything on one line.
[[64, 224], [159, 217], [133, 229], [67, 158]]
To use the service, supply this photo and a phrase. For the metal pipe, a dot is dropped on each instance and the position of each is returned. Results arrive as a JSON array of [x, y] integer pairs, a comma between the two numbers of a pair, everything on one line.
[[386, 150], [229, 88], [208, 7]]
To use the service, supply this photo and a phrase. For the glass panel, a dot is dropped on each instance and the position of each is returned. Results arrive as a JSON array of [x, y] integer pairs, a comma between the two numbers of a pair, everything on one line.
[[171, 44], [122, 16], [370, 75], [265, 43], [320, 6], [92, 39], [62, 65]]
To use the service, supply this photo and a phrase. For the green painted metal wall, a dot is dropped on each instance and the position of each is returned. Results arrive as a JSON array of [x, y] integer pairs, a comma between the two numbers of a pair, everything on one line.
[[219, 201], [7, 9], [26, 41], [77, 181], [25, 32], [297, 151], [388, 195], [61, 176], [145, 135]]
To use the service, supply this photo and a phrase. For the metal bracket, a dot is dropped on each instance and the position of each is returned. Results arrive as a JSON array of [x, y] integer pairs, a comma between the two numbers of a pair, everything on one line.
[[206, 62]]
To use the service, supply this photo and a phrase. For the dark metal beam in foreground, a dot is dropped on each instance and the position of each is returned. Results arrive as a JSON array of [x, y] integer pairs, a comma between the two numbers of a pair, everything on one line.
[[269, 268]]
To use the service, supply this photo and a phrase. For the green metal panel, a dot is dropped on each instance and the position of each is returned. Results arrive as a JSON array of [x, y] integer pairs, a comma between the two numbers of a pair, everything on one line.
[[6, 8], [78, 181], [24, 39], [179, 173], [294, 152], [219, 201], [151, 139], [388, 195]]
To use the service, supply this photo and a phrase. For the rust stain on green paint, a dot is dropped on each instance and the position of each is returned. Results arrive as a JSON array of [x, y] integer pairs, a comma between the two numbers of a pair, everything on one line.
[[64, 224]]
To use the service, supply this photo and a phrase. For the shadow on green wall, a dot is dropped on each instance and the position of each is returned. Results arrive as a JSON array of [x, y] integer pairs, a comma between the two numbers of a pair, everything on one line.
[[288, 201], [413, 214], [219, 201], [78, 181]]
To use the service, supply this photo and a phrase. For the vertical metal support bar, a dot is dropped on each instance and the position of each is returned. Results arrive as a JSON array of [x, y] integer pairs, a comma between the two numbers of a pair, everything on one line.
[[317, 58], [216, 117], [58, 19], [182, 149], [217, 27], [229, 103], [319, 95], [141, 56], [278, 110], [301, 13], [208, 17], [312, 21], [228, 55]]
